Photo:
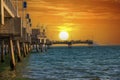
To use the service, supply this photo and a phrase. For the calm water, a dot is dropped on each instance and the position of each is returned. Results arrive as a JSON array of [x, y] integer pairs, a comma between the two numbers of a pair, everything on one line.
[[76, 63]]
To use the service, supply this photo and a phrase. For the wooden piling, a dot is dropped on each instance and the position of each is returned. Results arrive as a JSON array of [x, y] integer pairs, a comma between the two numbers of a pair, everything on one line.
[[18, 51], [24, 50], [29, 47], [12, 57], [2, 51], [41, 47], [1, 12], [36, 48], [5, 49], [45, 47]]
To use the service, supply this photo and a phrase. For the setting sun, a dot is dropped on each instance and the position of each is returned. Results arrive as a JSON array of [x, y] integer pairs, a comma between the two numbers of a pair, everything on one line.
[[63, 35]]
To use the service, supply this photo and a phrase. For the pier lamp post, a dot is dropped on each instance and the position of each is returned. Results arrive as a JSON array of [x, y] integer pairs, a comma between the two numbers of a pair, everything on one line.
[[24, 7]]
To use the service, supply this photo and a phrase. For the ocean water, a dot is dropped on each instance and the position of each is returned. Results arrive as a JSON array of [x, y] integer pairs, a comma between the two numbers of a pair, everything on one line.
[[76, 63]]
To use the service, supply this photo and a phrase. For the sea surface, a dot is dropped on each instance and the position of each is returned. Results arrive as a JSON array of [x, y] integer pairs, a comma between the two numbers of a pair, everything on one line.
[[76, 63]]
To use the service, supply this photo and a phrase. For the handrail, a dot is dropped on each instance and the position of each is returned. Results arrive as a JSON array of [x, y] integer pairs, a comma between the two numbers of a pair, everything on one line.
[[11, 6]]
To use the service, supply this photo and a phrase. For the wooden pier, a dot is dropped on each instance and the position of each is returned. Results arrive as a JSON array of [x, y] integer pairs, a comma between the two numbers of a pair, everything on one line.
[[39, 40], [18, 39], [15, 38]]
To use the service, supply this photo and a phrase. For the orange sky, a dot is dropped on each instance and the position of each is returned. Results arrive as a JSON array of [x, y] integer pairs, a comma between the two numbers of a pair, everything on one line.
[[83, 19]]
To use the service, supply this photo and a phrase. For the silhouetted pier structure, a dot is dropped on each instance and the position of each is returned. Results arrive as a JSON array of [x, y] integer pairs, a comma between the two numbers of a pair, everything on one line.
[[70, 43]]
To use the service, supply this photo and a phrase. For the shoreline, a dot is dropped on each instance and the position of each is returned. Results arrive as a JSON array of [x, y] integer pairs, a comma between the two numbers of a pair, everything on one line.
[[7, 74]]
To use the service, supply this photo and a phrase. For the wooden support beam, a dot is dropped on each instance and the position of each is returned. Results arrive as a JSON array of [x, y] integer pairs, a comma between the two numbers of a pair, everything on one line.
[[9, 11], [41, 45], [5, 49], [45, 47], [2, 51], [24, 50], [18, 51], [37, 48], [12, 57], [29, 47], [1, 12]]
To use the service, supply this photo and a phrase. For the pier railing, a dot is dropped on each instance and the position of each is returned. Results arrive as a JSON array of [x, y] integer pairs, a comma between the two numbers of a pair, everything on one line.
[[11, 6]]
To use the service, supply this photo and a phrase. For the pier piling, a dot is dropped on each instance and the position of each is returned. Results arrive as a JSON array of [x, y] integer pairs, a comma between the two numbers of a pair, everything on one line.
[[18, 51], [12, 57], [24, 50], [2, 51], [5, 49]]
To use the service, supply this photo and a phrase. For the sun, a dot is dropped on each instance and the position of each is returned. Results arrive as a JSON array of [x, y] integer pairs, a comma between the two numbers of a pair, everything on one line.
[[63, 35]]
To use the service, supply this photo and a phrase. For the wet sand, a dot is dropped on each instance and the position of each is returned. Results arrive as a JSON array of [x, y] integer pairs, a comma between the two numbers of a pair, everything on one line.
[[7, 74]]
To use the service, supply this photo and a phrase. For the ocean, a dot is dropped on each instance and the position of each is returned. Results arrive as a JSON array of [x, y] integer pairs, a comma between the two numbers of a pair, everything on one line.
[[75, 63]]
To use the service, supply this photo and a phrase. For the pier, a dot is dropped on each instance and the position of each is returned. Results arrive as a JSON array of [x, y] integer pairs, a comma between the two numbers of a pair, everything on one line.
[[71, 42], [17, 38], [39, 39]]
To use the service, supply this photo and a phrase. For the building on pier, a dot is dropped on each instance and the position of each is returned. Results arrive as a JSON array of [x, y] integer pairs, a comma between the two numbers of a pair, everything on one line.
[[12, 31], [10, 28], [34, 36], [39, 35], [39, 38], [10, 22]]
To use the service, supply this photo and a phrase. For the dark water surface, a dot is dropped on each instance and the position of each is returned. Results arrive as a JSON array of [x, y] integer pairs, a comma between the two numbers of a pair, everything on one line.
[[76, 63]]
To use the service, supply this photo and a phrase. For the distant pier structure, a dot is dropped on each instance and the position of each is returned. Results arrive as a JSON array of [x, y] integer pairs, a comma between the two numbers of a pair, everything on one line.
[[39, 39], [70, 43], [15, 37]]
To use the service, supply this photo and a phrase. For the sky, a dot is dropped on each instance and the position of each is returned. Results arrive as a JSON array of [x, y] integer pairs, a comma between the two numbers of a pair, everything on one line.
[[98, 20]]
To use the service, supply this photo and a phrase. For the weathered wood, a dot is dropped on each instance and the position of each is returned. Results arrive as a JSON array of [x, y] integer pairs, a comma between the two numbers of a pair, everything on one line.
[[18, 51], [21, 49], [5, 49], [24, 50], [2, 51], [12, 26], [29, 47], [1, 12], [41, 46], [12, 57], [37, 48]]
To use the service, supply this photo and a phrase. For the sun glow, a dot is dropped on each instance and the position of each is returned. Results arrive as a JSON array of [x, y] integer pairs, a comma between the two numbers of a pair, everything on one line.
[[63, 35]]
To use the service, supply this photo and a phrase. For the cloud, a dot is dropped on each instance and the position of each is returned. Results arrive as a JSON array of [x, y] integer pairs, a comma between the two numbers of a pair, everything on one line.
[[75, 9]]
